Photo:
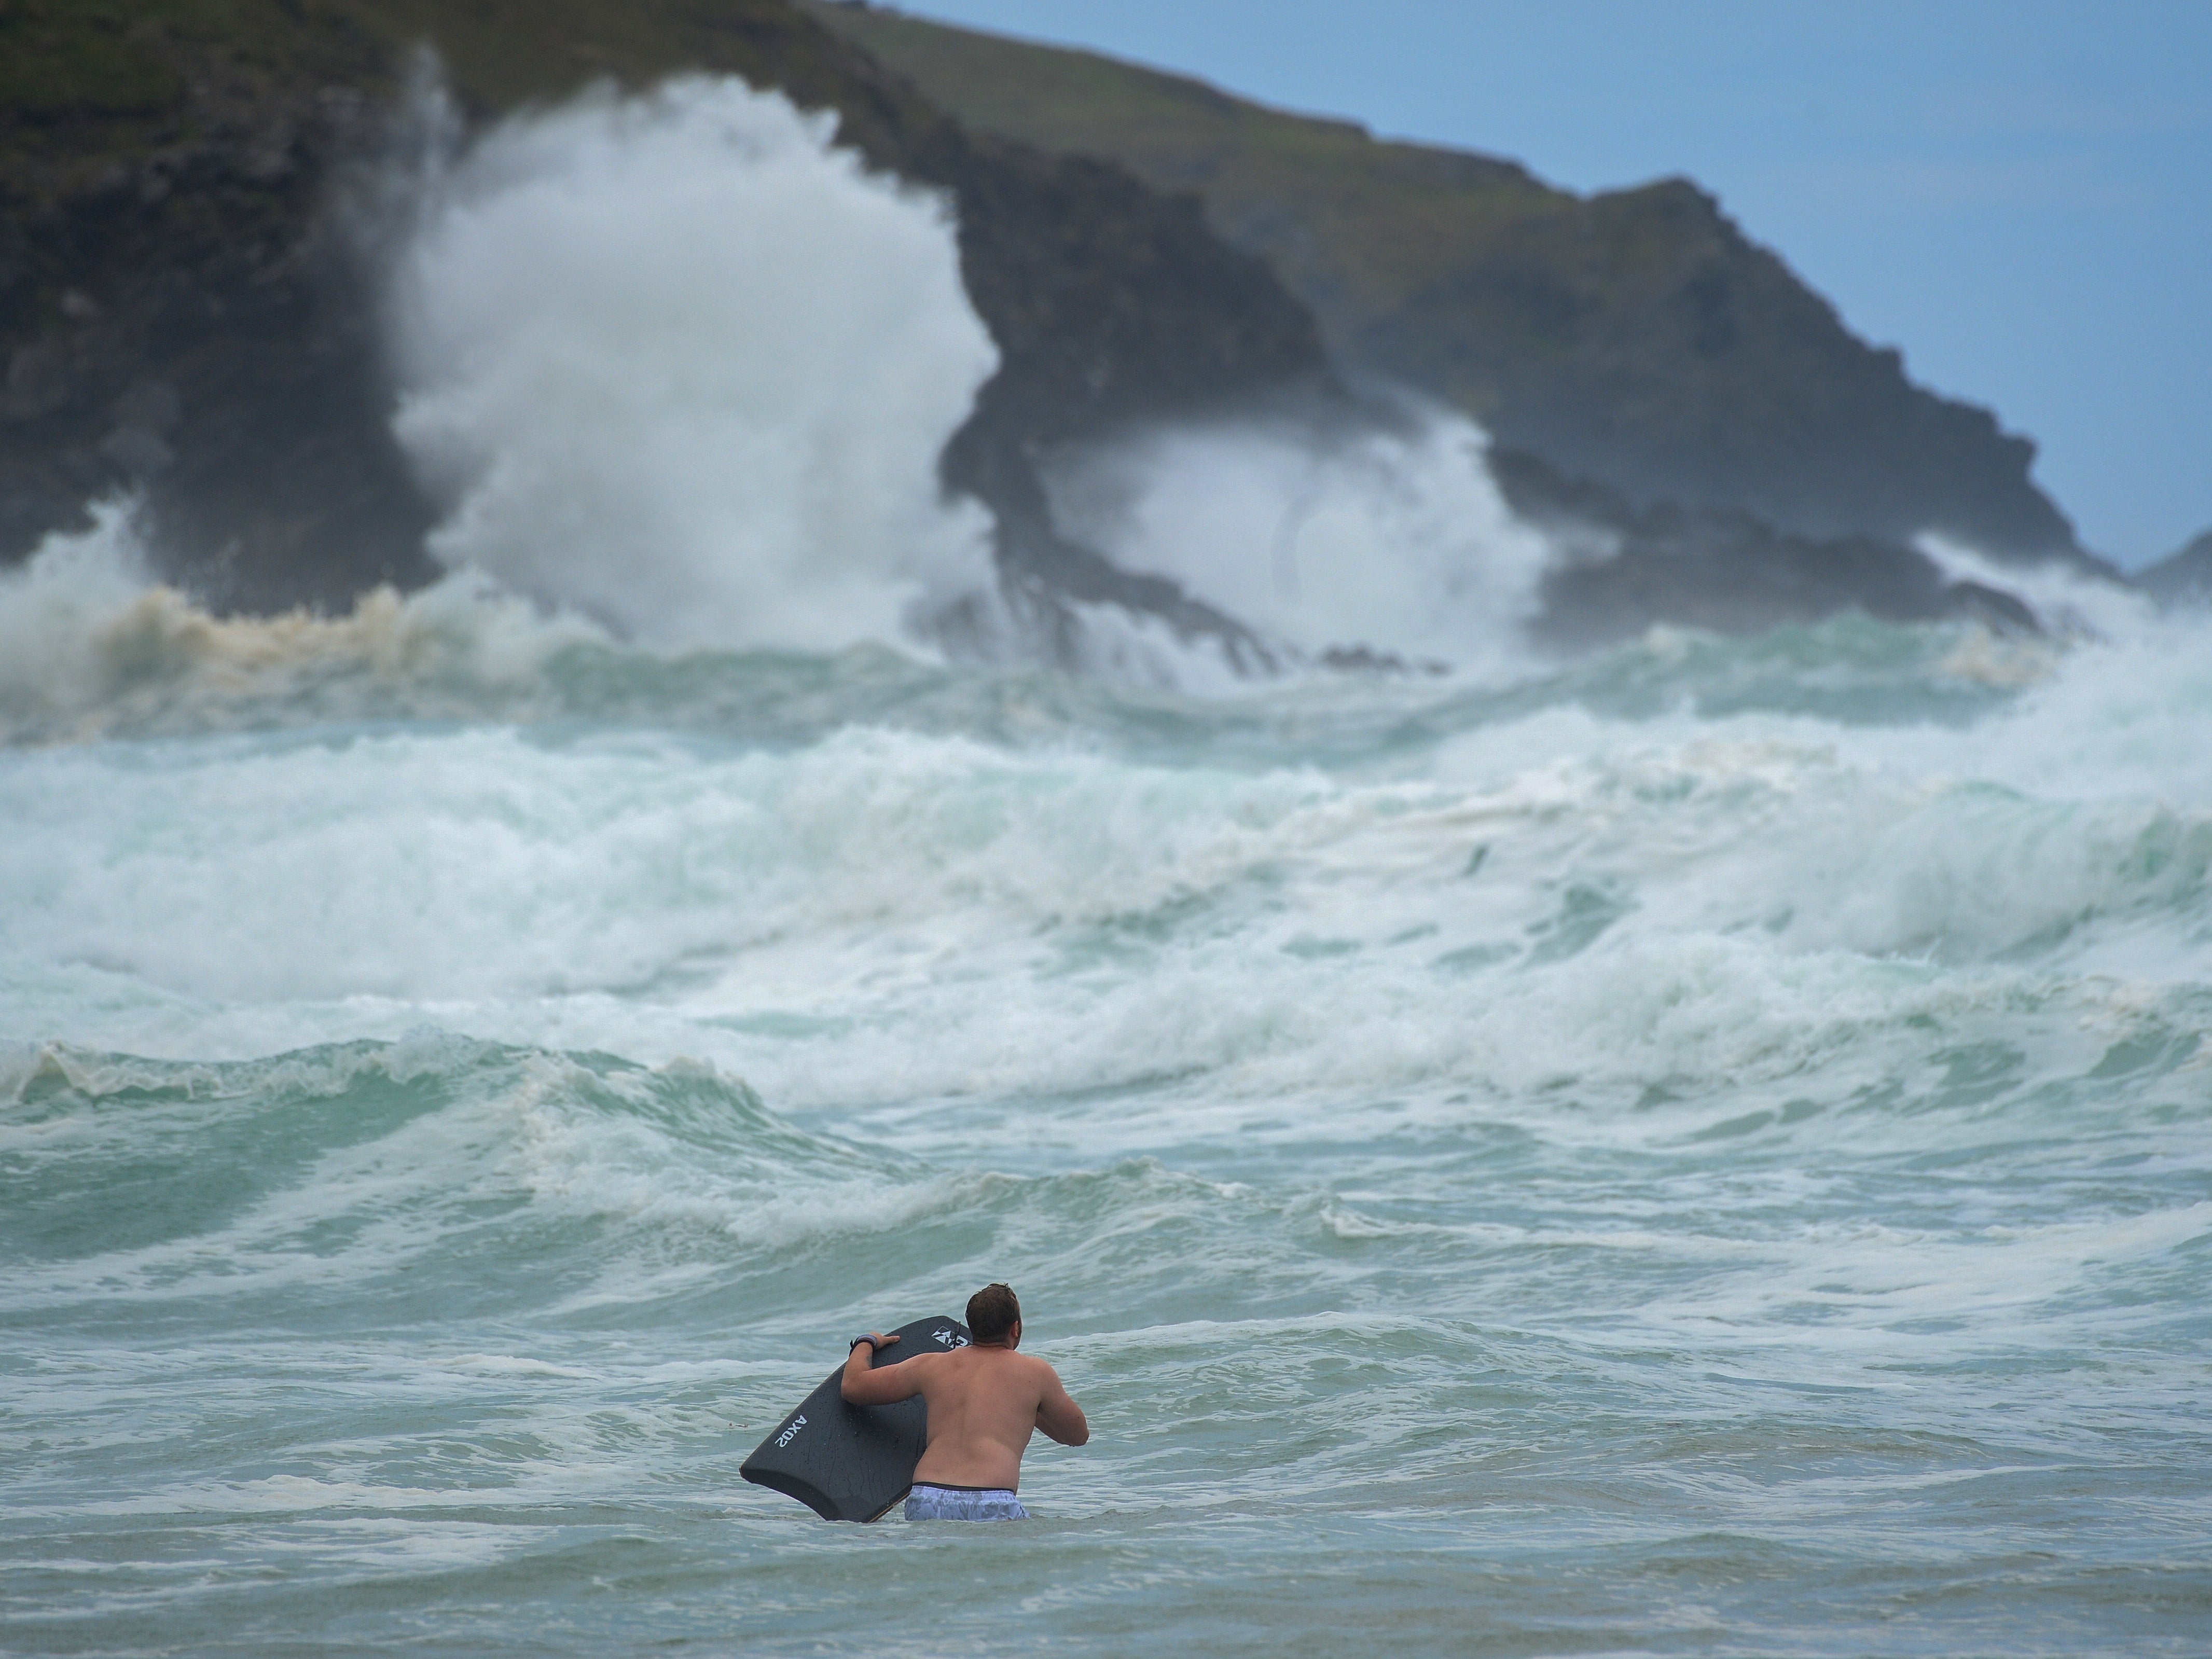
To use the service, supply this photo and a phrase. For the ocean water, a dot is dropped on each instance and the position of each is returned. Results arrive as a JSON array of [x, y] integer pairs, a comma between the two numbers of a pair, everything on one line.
[[1701, 1150], [1705, 1148]]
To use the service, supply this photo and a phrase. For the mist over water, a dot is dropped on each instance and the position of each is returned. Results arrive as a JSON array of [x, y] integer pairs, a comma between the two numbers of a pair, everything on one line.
[[1704, 1148]]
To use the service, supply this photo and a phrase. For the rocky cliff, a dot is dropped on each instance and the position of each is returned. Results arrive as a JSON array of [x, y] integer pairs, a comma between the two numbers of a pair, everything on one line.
[[1635, 338], [185, 311], [2184, 577], [182, 309]]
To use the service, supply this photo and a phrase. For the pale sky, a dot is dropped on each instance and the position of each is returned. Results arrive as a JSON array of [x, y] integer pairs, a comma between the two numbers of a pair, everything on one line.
[[2016, 193]]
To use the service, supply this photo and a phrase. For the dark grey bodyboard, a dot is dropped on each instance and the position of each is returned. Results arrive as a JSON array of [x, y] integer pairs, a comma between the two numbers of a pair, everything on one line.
[[852, 1462]]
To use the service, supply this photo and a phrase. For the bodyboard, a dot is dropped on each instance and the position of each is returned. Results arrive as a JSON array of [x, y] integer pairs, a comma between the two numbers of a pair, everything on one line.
[[852, 1462]]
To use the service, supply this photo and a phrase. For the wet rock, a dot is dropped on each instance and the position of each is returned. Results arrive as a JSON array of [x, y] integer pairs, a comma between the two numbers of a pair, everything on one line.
[[151, 405], [38, 383], [1625, 567], [2183, 577], [137, 451], [271, 157]]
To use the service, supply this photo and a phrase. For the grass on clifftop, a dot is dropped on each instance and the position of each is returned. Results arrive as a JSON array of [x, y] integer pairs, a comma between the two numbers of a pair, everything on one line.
[[1356, 225], [82, 81], [1636, 336]]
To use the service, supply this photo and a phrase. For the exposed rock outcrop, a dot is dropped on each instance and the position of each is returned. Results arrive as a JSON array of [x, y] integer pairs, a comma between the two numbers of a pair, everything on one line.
[[176, 316], [1629, 567], [180, 310], [2184, 578], [184, 310], [1636, 337]]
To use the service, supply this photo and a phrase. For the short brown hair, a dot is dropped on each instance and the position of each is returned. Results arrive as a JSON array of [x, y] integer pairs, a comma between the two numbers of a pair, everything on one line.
[[993, 1313]]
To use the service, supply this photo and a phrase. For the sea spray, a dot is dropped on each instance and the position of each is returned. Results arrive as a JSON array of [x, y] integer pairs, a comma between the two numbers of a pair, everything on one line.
[[1380, 538], [1523, 893], [91, 644], [678, 364], [677, 361], [2065, 598], [60, 611]]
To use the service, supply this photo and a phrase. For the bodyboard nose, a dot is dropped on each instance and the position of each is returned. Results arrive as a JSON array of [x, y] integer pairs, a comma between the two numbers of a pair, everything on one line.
[[852, 1462]]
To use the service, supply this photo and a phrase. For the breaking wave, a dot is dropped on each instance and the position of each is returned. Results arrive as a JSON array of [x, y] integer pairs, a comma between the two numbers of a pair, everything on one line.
[[92, 644], [1390, 540], [679, 363]]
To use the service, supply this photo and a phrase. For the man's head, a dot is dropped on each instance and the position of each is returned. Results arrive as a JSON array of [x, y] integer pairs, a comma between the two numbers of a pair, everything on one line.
[[995, 1317]]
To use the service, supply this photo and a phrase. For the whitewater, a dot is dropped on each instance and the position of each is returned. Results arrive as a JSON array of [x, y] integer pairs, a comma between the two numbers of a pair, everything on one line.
[[1701, 1148]]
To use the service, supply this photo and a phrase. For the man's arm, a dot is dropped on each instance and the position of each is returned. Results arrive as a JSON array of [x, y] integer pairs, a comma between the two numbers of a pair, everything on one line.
[[884, 1385], [1058, 1414]]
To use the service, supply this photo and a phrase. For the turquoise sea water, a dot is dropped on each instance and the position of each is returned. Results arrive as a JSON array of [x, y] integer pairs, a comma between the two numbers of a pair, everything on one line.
[[1708, 1150]]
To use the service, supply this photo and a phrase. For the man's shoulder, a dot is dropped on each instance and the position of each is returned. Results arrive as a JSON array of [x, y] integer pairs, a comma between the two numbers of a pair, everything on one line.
[[1007, 1361]]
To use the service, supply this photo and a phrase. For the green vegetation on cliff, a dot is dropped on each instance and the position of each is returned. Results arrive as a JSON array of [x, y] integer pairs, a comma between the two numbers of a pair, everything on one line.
[[1634, 336]]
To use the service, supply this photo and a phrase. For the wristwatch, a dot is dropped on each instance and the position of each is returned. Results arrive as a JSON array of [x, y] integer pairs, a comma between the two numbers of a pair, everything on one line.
[[856, 1341]]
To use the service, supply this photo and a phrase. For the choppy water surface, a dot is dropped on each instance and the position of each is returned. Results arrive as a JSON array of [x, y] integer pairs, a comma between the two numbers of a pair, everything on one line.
[[1706, 1150]]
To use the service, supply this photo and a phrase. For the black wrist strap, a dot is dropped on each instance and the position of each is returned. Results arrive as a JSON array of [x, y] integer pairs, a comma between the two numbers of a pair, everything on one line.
[[856, 1342]]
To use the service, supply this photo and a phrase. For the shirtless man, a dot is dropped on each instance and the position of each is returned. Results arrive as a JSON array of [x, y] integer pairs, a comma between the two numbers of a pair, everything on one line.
[[983, 1399]]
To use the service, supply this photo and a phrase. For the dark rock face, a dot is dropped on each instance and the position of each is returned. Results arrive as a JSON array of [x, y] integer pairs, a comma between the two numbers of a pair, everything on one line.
[[1636, 337], [185, 310], [2184, 578], [1111, 307], [1721, 570], [182, 310], [1642, 341], [182, 322]]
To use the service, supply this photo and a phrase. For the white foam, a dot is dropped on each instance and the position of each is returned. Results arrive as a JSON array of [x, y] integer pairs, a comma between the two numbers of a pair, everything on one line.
[[677, 361], [60, 609], [880, 918], [1395, 540], [91, 643], [2064, 598], [884, 917], [1130, 648], [510, 1364], [2122, 715]]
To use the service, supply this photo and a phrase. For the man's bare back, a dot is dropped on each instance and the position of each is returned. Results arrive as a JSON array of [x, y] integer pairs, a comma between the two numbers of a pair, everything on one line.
[[984, 1401]]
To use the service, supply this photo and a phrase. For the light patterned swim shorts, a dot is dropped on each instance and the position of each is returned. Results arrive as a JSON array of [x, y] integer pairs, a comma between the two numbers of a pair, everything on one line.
[[931, 1502]]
